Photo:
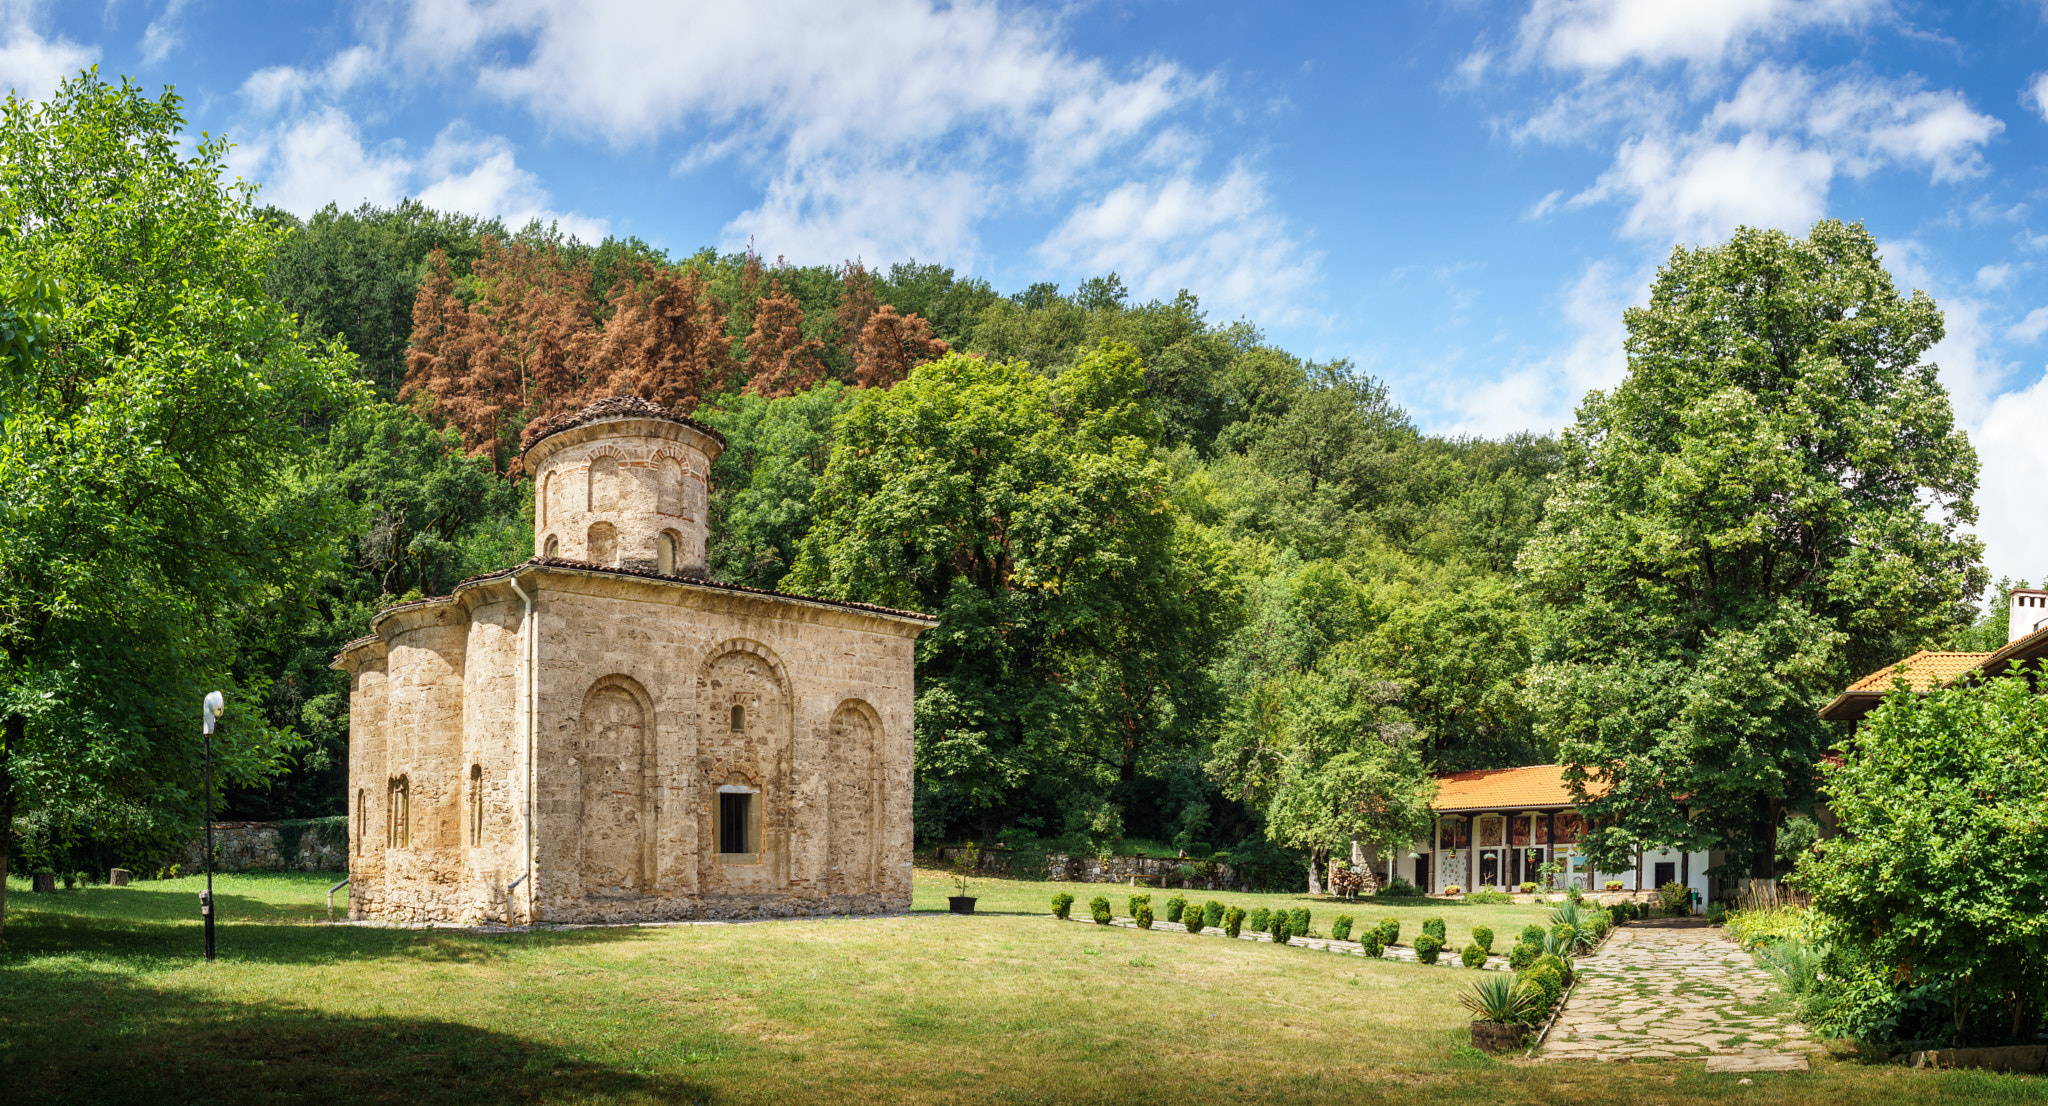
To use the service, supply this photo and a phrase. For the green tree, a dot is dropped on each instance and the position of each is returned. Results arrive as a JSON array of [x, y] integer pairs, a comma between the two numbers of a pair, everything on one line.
[[1030, 514], [138, 454], [762, 485], [1936, 880], [1769, 505]]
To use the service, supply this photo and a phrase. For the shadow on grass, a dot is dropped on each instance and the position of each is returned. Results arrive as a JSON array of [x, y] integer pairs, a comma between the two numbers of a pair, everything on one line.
[[39, 935], [118, 1041]]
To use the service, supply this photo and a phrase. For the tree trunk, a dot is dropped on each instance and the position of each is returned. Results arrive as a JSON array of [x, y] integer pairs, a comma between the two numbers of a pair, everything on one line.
[[1317, 857], [1764, 865]]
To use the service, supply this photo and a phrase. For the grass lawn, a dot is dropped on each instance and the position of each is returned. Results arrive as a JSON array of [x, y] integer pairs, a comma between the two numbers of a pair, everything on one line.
[[103, 999]]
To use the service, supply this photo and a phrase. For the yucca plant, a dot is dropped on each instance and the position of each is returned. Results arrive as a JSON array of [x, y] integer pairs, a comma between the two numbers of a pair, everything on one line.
[[1499, 997]]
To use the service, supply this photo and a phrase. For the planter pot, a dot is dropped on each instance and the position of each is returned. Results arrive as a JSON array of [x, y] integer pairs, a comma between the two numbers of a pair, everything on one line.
[[960, 904], [45, 883], [1498, 1036]]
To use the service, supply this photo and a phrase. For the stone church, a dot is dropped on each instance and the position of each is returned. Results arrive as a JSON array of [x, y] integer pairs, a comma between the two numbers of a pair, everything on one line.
[[605, 734]]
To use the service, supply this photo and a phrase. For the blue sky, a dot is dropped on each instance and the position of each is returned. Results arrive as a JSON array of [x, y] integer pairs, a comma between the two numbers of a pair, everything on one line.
[[1461, 197]]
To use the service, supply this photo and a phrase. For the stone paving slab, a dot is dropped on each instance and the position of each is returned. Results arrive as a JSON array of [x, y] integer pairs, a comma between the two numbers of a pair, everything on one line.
[[1671, 993], [1775, 1062]]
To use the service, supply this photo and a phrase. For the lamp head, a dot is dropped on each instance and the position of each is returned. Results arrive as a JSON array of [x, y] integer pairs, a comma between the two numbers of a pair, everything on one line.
[[210, 710]]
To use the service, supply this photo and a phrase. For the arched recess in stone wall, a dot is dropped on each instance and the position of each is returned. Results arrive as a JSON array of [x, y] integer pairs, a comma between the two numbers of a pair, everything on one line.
[[745, 673], [616, 771], [603, 486], [856, 796]]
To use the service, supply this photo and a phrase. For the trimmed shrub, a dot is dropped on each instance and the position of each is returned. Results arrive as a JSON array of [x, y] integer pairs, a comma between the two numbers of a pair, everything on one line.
[[1131, 904], [1370, 943], [1483, 937], [1532, 935], [1212, 913], [1192, 918], [1528, 889], [1297, 921], [1260, 919], [1618, 913], [1427, 947], [1567, 936], [1472, 956], [1390, 931], [1398, 888], [1282, 929], [1340, 927], [1564, 967], [1175, 907], [1233, 921], [1435, 928], [1548, 986], [1523, 955], [1062, 905], [1142, 914], [1489, 895], [1099, 908]]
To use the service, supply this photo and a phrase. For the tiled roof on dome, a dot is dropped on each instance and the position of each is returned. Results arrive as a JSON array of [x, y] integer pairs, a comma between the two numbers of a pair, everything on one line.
[[614, 407], [1540, 785]]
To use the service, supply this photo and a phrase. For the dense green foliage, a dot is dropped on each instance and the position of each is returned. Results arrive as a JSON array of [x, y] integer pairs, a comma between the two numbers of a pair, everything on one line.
[[153, 466], [1770, 505], [1930, 901]]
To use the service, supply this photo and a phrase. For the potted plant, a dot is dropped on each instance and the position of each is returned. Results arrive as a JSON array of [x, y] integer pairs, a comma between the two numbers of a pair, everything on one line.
[[1453, 889], [963, 866], [1503, 1007], [1613, 885]]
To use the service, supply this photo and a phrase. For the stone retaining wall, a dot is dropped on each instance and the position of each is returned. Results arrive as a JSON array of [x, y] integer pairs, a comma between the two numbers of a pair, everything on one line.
[[1154, 871], [316, 844]]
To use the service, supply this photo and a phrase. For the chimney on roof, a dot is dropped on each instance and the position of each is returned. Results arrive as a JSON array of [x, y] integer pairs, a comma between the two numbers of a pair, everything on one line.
[[2029, 612]]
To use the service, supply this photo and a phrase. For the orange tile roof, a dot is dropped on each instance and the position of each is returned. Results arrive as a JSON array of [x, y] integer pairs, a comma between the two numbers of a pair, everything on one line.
[[1922, 671], [1540, 785]]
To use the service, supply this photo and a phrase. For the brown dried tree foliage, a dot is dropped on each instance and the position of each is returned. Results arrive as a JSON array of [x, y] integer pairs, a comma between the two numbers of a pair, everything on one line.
[[891, 345], [856, 302], [517, 351], [665, 342], [780, 360]]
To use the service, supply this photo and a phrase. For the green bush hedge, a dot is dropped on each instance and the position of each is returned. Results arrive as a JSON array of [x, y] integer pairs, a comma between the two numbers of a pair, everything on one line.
[[1297, 921], [1062, 905], [1261, 919], [1212, 913], [1390, 931], [1340, 927], [1483, 937], [1191, 917], [1523, 955], [1427, 946], [1283, 927], [1435, 928], [1142, 913], [1132, 903], [1566, 935], [1473, 955], [1233, 921], [1175, 906], [1532, 934], [1099, 908]]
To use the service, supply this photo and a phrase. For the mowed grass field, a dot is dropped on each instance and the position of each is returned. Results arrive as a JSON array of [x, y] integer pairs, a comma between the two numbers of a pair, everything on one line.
[[103, 999]]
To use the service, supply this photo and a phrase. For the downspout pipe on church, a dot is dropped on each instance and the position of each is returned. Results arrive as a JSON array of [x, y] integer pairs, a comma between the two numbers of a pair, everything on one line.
[[531, 649]]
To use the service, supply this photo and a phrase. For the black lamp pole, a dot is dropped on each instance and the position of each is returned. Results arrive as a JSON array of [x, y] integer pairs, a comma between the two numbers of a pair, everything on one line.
[[214, 704]]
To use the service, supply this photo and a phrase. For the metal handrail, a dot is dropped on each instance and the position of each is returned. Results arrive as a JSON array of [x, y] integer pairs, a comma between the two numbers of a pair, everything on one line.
[[330, 896]]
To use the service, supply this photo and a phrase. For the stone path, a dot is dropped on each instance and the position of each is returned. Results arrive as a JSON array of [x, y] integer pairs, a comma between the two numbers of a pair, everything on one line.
[[1672, 991]]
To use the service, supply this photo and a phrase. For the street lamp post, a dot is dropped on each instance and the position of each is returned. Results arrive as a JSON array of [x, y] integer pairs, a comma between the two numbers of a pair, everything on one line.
[[208, 712]]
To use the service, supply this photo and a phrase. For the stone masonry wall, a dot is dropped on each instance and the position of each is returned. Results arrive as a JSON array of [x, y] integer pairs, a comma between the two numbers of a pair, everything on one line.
[[316, 846]]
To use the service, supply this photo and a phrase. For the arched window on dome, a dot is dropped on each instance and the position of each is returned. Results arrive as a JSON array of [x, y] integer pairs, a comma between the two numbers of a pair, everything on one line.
[[665, 553], [602, 545], [552, 547]]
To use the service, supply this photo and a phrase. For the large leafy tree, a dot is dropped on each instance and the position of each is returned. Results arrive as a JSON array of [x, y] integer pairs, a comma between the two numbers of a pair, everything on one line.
[[140, 442], [1077, 617], [1936, 883], [1770, 504]]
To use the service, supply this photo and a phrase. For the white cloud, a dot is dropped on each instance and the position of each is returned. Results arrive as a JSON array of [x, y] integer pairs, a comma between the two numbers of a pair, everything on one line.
[[837, 210], [1544, 393], [163, 35], [1993, 277], [1600, 35], [1767, 154], [2014, 457], [284, 87], [2031, 327], [478, 173], [1220, 240], [319, 159], [2035, 95], [312, 160], [30, 63]]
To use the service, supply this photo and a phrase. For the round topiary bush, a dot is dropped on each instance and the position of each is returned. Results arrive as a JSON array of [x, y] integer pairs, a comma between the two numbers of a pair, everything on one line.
[[1427, 947], [1472, 956], [1260, 920], [1142, 914], [1233, 921], [1062, 905], [1099, 908], [1435, 928], [1532, 934], [1340, 927], [1192, 918], [1523, 955], [1390, 931], [1483, 937], [1297, 921], [1175, 906], [1212, 913], [1282, 927]]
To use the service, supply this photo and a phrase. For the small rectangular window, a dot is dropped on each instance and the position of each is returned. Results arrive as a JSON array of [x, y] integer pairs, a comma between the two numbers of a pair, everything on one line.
[[735, 818]]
